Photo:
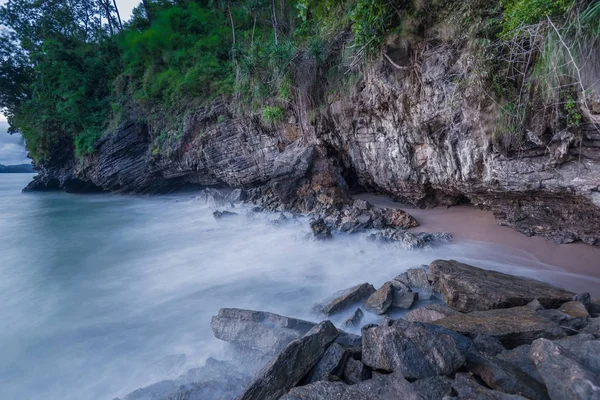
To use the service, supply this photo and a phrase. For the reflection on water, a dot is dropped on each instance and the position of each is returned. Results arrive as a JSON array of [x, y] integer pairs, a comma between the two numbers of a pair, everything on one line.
[[103, 294]]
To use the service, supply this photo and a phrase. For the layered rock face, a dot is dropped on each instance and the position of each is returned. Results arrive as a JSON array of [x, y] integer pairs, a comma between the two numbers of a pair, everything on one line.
[[422, 130]]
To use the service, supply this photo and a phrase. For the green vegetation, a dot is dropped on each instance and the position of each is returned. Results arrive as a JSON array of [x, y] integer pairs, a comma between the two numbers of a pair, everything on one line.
[[70, 71], [526, 12]]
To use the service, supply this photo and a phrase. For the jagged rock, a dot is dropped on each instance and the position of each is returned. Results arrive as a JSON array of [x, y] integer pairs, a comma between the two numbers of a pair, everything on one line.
[[354, 320], [574, 309], [235, 196], [468, 388], [355, 371], [429, 313], [435, 387], [586, 349], [535, 305], [563, 375], [489, 345], [362, 204], [212, 197], [381, 299], [467, 288], [413, 349], [411, 240], [320, 229], [405, 300], [289, 366], [223, 214], [512, 326], [381, 387], [504, 377], [415, 279], [331, 364], [519, 358], [399, 219], [584, 298], [345, 298], [263, 331]]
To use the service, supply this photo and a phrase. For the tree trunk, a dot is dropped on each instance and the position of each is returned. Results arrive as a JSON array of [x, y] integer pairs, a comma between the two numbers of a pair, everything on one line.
[[147, 9], [118, 14], [275, 21], [232, 24], [253, 29]]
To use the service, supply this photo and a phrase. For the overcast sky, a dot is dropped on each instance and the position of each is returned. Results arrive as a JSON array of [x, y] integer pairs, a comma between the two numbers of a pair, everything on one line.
[[11, 146], [12, 150]]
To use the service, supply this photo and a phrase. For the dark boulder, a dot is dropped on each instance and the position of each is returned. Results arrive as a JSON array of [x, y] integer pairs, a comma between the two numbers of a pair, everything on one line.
[[412, 349], [380, 387], [355, 371], [435, 387], [503, 376], [512, 326], [289, 366], [488, 345], [330, 365], [564, 376], [467, 288], [468, 388]]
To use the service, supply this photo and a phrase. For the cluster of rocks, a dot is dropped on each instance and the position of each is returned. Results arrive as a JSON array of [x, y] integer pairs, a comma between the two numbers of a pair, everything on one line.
[[385, 224], [496, 337]]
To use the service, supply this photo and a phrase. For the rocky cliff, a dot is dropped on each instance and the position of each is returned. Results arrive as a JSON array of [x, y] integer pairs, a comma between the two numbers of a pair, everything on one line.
[[419, 125]]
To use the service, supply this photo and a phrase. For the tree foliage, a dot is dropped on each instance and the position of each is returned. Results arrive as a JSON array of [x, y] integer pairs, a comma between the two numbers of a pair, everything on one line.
[[71, 69]]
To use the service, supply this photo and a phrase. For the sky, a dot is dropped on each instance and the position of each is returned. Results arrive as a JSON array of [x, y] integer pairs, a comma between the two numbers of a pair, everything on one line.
[[12, 150]]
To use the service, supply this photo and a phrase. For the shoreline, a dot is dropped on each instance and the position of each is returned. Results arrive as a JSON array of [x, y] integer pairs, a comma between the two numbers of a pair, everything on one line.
[[565, 265]]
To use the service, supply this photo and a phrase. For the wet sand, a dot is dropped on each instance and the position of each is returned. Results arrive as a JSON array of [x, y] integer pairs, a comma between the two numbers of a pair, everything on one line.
[[574, 266]]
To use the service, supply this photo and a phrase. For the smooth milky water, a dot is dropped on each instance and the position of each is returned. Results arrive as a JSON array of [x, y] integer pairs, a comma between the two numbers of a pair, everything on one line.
[[103, 294]]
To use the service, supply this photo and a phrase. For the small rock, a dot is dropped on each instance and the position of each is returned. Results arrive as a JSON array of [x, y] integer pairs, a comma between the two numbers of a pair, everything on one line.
[[584, 298], [345, 298], [286, 370], [223, 214], [512, 326], [466, 288], [235, 196], [405, 300], [430, 313], [355, 371], [594, 307], [320, 229], [574, 309], [415, 278], [362, 204], [380, 300], [354, 320], [563, 375]]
